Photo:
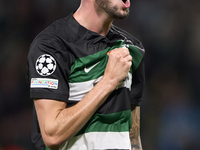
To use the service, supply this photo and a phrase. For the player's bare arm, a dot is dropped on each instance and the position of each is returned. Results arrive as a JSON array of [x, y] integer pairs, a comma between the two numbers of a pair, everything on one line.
[[135, 129], [58, 123]]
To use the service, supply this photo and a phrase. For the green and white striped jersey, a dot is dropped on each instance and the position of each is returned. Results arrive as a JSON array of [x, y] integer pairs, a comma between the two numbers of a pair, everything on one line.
[[66, 61]]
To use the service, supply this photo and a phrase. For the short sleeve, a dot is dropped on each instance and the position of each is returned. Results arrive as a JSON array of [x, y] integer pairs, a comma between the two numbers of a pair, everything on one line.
[[48, 69], [138, 80]]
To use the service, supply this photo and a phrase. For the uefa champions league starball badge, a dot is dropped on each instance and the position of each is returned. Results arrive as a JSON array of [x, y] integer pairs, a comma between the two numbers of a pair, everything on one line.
[[45, 65]]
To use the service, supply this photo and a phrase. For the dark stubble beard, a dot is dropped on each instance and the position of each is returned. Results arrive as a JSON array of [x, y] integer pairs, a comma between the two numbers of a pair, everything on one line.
[[111, 11]]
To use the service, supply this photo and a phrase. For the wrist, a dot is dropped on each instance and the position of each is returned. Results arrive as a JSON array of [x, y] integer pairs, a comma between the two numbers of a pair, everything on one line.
[[108, 84]]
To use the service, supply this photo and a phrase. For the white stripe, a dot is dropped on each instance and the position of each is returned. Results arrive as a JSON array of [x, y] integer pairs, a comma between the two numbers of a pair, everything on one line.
[[139, 48], [127, 82], [80, 89], [99, 141]]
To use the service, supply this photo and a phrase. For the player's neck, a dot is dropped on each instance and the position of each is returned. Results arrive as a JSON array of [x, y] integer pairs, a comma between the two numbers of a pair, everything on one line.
[[96, 21]]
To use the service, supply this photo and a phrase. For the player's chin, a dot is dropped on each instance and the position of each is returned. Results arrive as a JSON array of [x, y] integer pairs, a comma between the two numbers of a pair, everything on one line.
[[123, 14], [119, 14], [126, 12]]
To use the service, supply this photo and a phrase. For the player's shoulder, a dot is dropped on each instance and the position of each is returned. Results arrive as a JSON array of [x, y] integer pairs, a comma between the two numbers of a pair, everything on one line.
[[58, 30], [58, 26], [128, 36]]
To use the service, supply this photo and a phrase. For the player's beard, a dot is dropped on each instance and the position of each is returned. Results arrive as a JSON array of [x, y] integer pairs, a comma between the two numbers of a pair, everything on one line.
[[112, 11]]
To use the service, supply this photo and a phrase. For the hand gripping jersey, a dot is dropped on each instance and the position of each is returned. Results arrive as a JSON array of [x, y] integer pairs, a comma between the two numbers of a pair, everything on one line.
[[65, 62]]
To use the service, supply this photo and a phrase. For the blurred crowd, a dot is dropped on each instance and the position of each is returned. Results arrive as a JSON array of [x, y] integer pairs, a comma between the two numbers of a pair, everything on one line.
[[170, 33]]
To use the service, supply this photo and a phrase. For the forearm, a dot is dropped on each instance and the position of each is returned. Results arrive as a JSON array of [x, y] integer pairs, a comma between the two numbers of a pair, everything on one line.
[[66, 122], [135, 129], [74, 118]]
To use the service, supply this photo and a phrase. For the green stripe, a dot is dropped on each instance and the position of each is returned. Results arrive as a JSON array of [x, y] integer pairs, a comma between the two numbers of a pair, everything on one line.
[[115, 122], [77, 70], [47, 148]]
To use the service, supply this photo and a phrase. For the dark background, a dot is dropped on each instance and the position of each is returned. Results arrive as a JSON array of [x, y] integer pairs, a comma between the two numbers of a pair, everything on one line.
[[170, 33]]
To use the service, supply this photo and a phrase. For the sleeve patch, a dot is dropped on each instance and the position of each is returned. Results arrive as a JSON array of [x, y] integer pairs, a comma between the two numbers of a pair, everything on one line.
[[44, 83], [45, 65]]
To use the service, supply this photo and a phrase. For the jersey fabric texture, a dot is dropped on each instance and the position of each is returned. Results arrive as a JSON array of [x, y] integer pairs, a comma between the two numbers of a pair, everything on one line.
[[65, 62]]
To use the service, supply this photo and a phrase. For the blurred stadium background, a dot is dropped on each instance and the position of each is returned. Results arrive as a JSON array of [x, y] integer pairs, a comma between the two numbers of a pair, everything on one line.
[[170, 33]]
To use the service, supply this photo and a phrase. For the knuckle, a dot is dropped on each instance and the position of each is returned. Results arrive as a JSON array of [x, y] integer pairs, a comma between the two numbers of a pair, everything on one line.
[[123, 61], [117, 56], [131, 58]]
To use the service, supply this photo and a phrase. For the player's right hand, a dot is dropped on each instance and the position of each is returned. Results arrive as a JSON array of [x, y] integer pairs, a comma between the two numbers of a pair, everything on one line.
[[118, 66]]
